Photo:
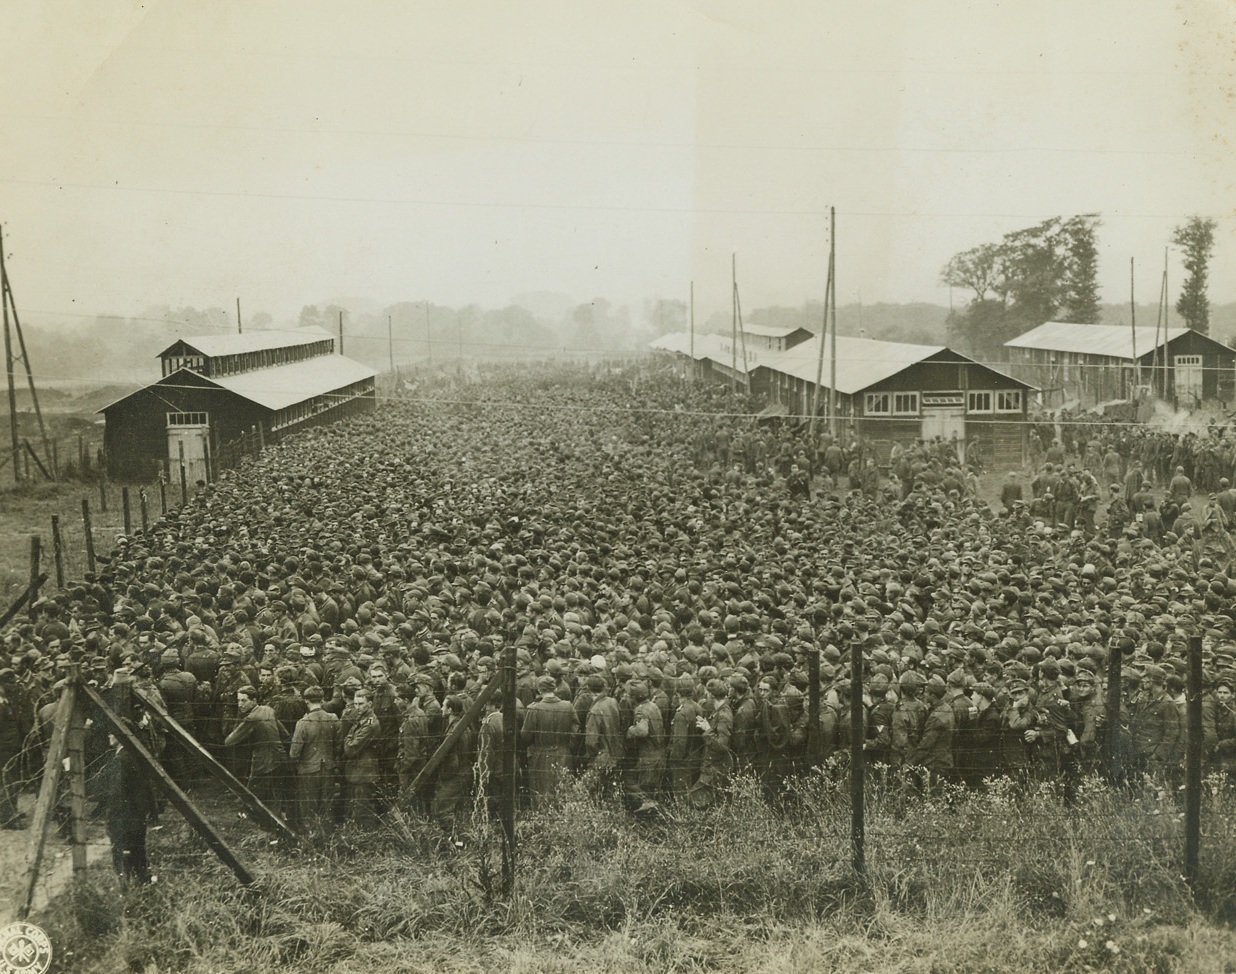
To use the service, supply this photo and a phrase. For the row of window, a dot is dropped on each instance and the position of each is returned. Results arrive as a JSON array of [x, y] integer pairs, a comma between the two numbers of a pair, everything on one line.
[[908, 403], [304, 410], [188, 419], [174, 362], [248, 361]]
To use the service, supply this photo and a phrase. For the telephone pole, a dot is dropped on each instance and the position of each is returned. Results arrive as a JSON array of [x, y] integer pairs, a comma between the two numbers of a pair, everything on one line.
[[10, 360]]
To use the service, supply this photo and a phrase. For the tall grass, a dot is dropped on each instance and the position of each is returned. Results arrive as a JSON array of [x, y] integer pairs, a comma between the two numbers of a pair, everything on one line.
[[1003, 880]]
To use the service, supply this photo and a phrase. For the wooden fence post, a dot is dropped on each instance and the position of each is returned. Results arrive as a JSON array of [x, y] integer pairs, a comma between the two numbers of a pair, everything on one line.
[[36, 556], [128, 517], [509, 776], [89, 535], [858, 736], [77, 781], [1193, 765], [58, 550]]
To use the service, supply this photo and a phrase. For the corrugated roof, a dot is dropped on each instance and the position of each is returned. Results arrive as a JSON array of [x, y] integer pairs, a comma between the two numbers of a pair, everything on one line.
[[285, 385], [231, 343], [770, 331], [1113, 341], [861, 362], [277, 387]]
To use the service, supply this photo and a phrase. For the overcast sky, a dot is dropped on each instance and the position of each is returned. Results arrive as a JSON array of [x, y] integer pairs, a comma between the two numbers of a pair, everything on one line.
[[190, 151]]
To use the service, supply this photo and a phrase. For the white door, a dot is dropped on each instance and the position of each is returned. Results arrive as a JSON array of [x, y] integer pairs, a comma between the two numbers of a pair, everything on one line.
[[188, 436], [944, 421], [1188, 379]]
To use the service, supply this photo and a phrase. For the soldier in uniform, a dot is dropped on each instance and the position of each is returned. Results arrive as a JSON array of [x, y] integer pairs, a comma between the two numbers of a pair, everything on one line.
[[934, 748], [314, 752], [647, 731], [718, 760], [549, 726], [686, 740], [908, 718]]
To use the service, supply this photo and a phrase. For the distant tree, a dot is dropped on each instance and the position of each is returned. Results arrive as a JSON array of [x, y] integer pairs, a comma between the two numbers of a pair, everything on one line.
[[979, 269], [666, 315], [324, 316], [1030, 276], [1196, 238], [1081, 288]]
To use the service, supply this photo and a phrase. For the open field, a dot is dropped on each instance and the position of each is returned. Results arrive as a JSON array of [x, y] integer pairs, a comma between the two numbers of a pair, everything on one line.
[[992, 882]]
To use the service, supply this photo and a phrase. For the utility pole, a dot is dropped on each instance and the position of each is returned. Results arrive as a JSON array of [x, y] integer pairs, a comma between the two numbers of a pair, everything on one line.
[[240, 326], [11, 305], [8, 361], [691, 366], [742, 335], [390, 340], [1137, 368], [819, 365], [428, 335], [733, 324], [341, 331], [832, 311]]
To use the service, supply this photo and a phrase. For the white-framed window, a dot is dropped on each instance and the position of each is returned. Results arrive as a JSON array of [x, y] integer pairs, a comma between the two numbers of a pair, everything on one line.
[[905, 404], [1187, 360], [878, 402], [187, 419], [978, 402], [1008, 401]]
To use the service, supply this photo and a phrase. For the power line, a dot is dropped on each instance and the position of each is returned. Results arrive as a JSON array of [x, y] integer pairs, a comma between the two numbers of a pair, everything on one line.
[[602, 143], [597, 207]]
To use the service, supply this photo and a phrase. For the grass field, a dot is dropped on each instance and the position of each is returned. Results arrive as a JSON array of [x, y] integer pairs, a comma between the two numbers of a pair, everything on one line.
[[993, 882], [26, 511]]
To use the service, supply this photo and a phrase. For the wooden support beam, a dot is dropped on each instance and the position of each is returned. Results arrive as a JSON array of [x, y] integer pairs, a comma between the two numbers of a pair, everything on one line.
[[35, 457], [36, 558], [177, 797], [261, 812], [53, 766], [15, 608], [77, 783], [472, 714]]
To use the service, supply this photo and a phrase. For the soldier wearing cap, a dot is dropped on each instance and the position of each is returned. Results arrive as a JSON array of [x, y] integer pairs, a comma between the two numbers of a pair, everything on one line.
[[1086, 705], [934, 748], [1155, 726], [548, 729], [742, 705], [314, 755], [642, 780], [717, 762], [909, 715], [1016, 720], [604, 744]]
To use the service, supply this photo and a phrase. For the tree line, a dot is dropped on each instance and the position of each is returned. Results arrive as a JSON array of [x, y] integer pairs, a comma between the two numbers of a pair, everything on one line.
[[1048, 272]]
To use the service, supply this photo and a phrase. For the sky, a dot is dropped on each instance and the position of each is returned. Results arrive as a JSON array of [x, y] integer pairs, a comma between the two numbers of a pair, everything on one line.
[[189, 152]]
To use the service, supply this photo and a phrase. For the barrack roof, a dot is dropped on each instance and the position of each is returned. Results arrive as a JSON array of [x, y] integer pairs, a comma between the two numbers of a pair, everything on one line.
[[1111, 341], [232, 343]]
